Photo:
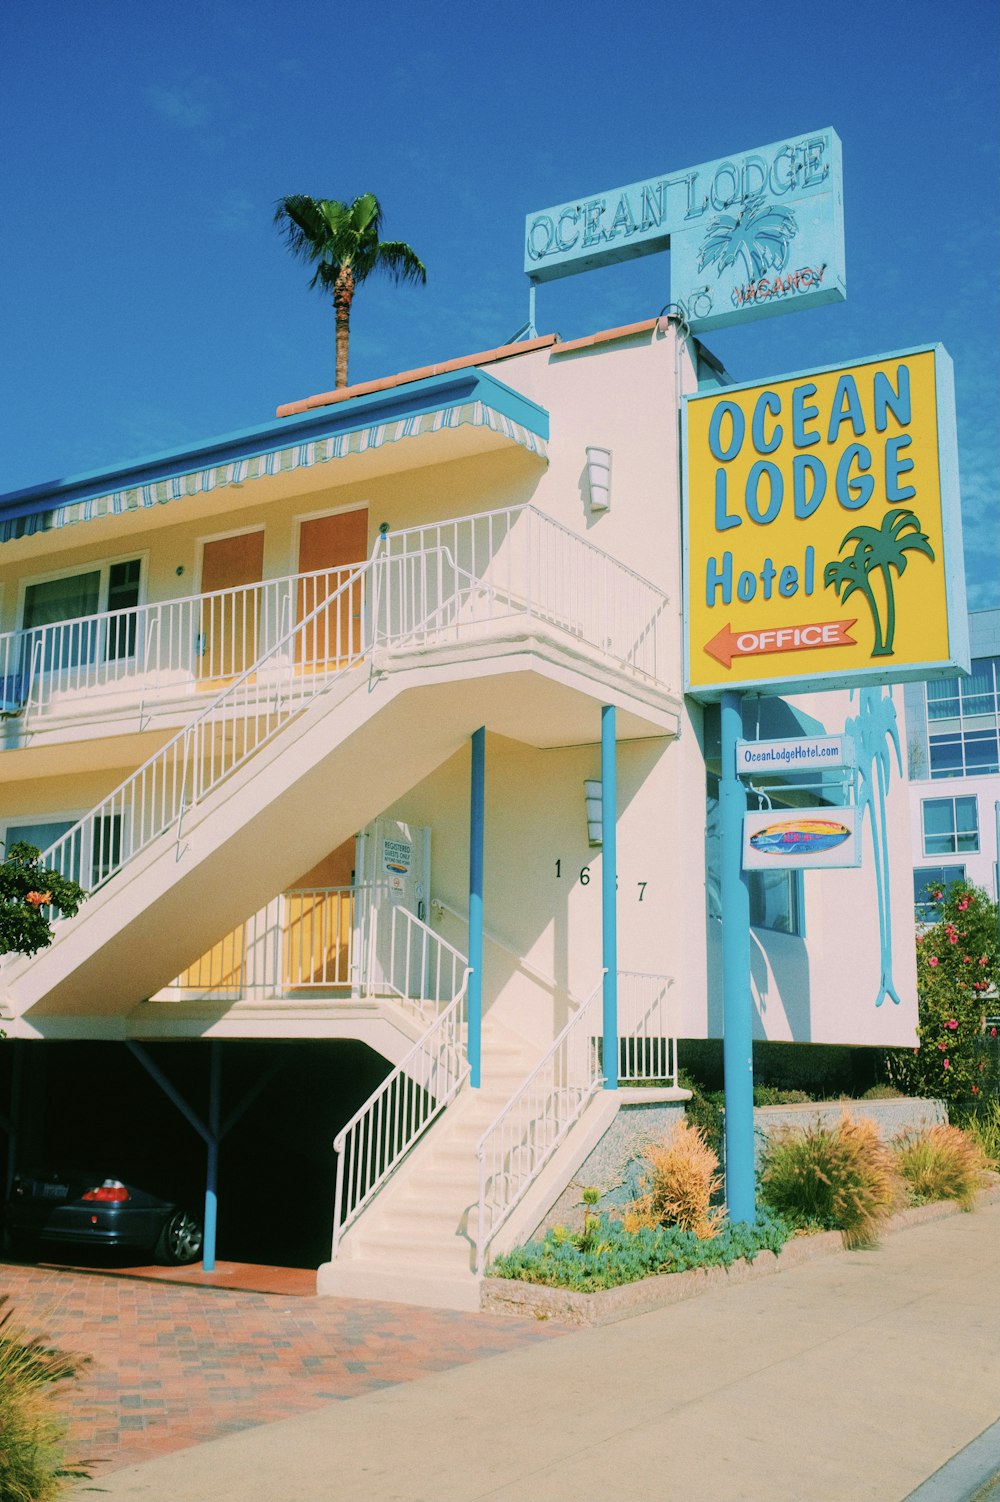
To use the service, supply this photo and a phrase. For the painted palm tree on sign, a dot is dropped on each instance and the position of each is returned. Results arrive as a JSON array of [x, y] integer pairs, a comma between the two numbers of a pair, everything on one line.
[[758, 236], [342, 241], [878, 552]]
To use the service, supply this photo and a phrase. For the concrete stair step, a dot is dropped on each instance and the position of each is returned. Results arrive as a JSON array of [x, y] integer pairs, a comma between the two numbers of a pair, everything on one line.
[[419, 1284]]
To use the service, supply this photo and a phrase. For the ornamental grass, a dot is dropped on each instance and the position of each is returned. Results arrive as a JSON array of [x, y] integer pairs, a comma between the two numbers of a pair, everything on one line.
[[941, 1163], [677, 1183], [33, 1465], [830, 1178]]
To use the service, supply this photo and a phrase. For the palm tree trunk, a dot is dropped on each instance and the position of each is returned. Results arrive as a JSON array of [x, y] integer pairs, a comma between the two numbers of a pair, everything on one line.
[[343, 296], [890, 610]]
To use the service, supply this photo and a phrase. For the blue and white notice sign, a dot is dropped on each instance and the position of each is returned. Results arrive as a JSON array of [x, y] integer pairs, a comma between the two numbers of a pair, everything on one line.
[[813, 753], [750, 235]]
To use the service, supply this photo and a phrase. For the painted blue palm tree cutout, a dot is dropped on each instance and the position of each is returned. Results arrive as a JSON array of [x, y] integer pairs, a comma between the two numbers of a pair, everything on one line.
[[758, 235], [875, 733]]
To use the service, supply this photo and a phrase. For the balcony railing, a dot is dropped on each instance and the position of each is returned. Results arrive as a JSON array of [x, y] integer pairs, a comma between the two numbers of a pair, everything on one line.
[[173, 649], [461, 579], [303, 941]]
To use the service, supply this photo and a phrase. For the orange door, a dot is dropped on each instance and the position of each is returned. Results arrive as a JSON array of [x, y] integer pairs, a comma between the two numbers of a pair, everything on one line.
[[329, 543], [230, 621]]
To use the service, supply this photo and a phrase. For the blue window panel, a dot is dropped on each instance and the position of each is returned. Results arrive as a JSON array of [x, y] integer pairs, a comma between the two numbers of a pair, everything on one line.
[[930, 879]]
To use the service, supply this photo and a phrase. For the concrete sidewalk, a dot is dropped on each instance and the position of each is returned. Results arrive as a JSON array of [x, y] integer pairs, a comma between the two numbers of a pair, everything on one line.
[[848, 1379]]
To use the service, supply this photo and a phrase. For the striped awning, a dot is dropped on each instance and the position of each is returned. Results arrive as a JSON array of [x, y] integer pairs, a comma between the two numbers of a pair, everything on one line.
[[142, 488]]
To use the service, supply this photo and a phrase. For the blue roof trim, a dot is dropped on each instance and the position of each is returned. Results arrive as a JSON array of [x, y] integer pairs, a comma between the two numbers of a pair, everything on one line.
[[454, 388]]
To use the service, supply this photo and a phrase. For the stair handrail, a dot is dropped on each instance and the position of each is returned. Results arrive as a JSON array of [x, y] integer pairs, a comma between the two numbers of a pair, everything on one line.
[[416, 946], [379, 1135], [525, 1133], [187, 748]]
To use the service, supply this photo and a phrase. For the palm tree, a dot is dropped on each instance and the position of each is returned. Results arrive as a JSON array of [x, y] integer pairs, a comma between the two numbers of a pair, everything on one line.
[[878, 550], [342, 241]]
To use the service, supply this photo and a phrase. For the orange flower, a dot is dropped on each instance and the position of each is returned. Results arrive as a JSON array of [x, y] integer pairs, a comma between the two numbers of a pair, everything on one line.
[[37, 899]]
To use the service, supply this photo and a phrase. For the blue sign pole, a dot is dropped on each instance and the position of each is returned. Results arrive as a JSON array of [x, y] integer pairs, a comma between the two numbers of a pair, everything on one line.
[[477, 823], [736, 1005], [609, 888]]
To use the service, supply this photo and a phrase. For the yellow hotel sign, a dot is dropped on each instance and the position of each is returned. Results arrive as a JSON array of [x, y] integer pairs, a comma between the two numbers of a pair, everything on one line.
[[822, 529]]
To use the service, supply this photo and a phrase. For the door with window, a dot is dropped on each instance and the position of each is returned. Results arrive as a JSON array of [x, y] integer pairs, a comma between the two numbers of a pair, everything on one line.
[[229, 640], [328, 546], [78, 623]]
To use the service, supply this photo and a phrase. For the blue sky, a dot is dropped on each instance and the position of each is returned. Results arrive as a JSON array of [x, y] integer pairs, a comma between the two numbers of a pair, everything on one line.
[[147, 302]]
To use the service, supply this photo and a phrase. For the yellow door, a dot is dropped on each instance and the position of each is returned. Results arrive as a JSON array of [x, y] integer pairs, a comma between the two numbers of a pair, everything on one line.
[[230, 621], [326, 543]]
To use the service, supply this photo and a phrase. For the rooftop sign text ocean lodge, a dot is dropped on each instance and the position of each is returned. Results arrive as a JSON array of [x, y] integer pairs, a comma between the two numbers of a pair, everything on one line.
[[749, 235]]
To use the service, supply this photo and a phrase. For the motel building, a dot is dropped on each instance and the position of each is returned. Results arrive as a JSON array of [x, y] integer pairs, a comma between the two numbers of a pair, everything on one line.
[[342, 720]]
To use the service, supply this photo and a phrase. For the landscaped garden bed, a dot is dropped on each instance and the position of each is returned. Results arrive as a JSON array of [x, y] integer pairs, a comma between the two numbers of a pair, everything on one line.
[[607, 1306], [822, 1187]]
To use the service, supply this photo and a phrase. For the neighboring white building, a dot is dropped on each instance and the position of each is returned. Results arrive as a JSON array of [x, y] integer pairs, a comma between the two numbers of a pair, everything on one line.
[[240, 689], [953, 752]]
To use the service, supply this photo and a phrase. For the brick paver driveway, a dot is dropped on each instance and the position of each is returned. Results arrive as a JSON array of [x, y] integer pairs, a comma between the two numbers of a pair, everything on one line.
[[175, 1366]]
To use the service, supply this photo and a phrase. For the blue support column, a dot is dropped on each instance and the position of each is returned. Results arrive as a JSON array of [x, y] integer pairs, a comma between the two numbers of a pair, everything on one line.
[[736, 998], [212, 1166], [477, 825], [609, 892]]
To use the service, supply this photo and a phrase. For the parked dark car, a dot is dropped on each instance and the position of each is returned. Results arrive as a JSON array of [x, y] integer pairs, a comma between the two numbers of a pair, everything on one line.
[[88, 1210]]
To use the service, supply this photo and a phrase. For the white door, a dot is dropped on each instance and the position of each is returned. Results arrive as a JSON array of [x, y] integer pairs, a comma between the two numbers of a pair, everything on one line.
[[395, 858]]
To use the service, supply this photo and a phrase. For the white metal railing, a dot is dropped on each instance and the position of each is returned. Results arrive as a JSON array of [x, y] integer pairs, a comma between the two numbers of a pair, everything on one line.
[[453, 580], [647, 1028], [409, 961], [520, 1141], [196, 643], [513, 562], [302, 940], [325, 643], [377, 1138]]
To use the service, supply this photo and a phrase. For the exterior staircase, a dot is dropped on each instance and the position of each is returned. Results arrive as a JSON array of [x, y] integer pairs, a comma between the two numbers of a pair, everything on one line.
[[416, 1242]]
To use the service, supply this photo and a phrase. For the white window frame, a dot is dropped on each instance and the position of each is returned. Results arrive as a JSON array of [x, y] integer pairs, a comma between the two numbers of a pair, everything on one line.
[[953, 799]]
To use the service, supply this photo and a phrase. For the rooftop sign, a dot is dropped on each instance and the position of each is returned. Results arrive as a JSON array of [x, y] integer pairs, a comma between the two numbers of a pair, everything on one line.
[[822, 529], [750, 236]]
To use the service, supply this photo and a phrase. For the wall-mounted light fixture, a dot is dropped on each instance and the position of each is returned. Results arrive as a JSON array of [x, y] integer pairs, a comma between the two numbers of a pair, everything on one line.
[[595, 810], [599, 478]]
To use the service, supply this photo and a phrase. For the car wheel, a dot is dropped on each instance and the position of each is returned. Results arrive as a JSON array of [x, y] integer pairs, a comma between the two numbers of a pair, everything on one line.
[[180, 1240]]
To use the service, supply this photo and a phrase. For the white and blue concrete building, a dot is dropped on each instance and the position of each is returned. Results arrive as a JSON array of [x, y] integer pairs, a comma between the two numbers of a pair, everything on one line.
[[365, 729]]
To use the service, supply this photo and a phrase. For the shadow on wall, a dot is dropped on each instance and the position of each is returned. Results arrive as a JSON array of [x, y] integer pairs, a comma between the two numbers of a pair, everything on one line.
[[779, 975]]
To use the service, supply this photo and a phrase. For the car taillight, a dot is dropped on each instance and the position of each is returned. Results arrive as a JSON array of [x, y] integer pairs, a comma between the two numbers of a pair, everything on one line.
[[110, 1192]]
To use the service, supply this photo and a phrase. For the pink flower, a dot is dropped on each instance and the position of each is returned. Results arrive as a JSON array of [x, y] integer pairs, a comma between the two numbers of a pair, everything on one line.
[[933, 960], [982, 960], [993, 1032], [946, 1064], [937, 896], [952, 1023], [942, 1046], [953, 938], [964, 904], [975, 1089], [967, 960]]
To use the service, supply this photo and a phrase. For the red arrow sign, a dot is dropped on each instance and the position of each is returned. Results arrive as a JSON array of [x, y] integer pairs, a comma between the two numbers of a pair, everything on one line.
[[728, 643]]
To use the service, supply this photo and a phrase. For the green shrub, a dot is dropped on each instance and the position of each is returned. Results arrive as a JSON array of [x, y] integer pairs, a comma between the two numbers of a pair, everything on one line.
[[33, 1466], [705, 1111], [881, 1092], [957, 966], [832, 1178], [611, 1255], [941, 1163], [982, 1122], [773, 1095]]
